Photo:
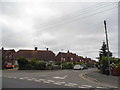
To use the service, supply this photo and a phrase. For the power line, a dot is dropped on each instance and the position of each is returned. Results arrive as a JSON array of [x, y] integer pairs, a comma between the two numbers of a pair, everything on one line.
[[63, 19], [81, 18]]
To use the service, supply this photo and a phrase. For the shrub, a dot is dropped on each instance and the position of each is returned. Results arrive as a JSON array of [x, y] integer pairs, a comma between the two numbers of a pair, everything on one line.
[[32, 64], [67, 65], [22, 63], [80, 63]]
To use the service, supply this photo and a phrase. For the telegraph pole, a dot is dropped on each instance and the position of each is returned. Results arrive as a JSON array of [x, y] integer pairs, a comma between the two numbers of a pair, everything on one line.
[[108, 54]]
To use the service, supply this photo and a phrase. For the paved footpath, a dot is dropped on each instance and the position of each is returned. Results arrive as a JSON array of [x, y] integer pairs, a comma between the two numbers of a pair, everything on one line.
[[98, 77]]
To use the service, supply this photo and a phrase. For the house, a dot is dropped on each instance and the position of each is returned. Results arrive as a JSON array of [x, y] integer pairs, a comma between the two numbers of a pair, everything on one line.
[[81, 59], [43, 55], [8, 55], [66, 57]]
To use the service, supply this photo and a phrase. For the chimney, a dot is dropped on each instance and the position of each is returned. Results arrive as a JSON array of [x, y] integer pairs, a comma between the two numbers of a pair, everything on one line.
[[35, 48], [68, 51], [47, 49], [2, 48]]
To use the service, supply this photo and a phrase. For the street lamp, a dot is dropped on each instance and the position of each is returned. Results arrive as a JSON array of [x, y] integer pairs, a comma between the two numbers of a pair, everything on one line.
[[61, 58], [72, 59]]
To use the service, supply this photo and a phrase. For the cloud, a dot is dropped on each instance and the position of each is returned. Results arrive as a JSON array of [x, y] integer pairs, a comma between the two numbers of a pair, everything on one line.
[[59, 25]]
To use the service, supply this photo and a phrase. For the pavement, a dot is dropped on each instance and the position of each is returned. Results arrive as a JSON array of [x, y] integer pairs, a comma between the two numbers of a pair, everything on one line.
[[100, 78]]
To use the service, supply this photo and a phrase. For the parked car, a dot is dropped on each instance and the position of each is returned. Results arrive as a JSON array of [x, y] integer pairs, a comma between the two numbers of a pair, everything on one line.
[[84, 66], [78, 67], [9, 66]]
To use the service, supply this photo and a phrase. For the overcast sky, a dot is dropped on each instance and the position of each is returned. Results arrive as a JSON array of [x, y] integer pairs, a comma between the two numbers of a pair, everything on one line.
[[74, 26]]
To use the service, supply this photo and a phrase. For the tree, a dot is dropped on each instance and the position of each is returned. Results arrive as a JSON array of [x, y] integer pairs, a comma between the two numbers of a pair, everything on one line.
[[3, 62], [103, 51], [103, 58], [23, 62]]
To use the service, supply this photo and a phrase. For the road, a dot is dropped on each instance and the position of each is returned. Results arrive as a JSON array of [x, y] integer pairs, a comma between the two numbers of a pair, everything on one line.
[[48, 79]]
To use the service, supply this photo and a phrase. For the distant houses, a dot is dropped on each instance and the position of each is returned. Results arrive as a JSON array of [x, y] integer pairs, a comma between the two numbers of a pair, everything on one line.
[[44, 55], [8, 55]]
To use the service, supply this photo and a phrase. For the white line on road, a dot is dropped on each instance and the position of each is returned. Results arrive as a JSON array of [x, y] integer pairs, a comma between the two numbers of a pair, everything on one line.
[[15, 77], [21, 78], [36, 80], [57, 83], [72, 83], [50, 81], [41, 79], [61, 77], [30, 79], [46, 82], [100, 87], [85, 86], [81, 87], [26, 77]]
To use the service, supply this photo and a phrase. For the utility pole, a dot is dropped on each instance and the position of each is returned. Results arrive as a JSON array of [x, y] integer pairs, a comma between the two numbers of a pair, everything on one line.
[[108, 54]]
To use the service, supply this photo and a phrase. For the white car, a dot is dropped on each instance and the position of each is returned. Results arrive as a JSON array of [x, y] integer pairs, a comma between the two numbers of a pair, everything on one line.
[[78, 67]]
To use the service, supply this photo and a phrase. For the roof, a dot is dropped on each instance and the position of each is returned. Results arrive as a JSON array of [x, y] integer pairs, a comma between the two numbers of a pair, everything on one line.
[[7, 52], [37, 54]]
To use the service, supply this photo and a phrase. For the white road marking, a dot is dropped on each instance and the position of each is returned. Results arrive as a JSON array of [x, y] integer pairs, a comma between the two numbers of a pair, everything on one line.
[[100, 87], [72, 83], [41, 79], [81, 87], [21, 78], [61, 82], [46, 82], [14, 77], [30, 79], [37, 80], [57, 83], [50, 81], [85, 86], [61, 77]]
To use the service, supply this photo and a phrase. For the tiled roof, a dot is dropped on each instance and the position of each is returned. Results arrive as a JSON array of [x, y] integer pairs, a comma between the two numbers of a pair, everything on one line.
[[37, 54], [7, 52]]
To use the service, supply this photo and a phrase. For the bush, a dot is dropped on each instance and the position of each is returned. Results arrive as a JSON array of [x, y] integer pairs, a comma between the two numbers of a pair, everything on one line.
[[22, 63], [32, 64], [49, 66], [40, 65], [67, 65], [80, 63]]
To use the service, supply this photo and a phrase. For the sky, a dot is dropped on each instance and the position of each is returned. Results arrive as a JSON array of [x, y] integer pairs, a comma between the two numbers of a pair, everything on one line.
[[59, 25]]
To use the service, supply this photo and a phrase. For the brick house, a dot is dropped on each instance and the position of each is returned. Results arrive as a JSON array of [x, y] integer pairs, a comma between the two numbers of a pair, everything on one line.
[[66, 57], [43, 55], [81, 59], [8, 55]]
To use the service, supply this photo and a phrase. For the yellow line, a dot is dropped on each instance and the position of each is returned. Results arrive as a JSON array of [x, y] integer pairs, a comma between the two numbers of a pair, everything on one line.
[[94, 80]]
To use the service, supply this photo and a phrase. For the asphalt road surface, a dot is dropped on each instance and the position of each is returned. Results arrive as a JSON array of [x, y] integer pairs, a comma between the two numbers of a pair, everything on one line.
[[48, 79]]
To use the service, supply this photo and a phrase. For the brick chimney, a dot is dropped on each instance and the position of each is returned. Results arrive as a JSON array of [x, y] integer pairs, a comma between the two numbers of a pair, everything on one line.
[[35, 48], [2, 48]]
